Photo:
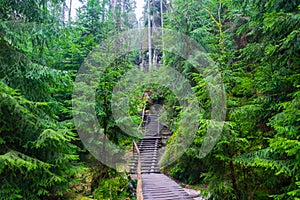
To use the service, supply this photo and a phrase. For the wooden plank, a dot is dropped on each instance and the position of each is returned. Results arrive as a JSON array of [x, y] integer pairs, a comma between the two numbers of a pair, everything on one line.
[[159, 186]]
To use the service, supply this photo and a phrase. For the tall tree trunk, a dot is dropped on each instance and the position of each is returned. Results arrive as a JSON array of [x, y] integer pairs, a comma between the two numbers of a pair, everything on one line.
[[122, 17], [233, 179], [70, 10], [162, 27], [103, 12], [187, 18], [63, 11], [149, 35], [113, 5]]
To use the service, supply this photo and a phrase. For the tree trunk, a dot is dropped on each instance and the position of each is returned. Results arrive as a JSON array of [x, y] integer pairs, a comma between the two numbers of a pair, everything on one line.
[[70, 10], [149, 36], [233, 179], [63, 12], [187, 18], [162, 25]]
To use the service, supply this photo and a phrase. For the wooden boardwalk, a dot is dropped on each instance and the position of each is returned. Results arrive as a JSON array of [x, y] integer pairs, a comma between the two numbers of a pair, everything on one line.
[[155, 185], [159, 186]]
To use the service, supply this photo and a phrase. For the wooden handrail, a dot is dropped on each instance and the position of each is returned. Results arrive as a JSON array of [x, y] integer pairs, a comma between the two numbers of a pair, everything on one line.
[[139, 187], [143, 115]]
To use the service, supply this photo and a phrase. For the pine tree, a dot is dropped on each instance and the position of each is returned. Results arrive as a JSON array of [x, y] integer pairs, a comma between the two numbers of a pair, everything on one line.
[[38, 158]]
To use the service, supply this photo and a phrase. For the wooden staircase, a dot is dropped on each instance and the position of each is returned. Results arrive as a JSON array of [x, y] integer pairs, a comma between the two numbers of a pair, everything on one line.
[[149, 156], [149, 147], [155, 186]]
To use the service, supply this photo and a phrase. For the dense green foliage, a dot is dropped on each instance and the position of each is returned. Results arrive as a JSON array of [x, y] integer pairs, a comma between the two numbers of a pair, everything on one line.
[[39, 56], [255, 43], [38, 157]]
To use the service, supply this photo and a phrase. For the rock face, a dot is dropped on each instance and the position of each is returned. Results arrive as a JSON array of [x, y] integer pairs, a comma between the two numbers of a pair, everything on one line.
[[195, 194]]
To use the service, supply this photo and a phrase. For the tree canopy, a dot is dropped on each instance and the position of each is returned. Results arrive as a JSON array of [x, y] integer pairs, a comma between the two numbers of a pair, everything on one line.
[[256, 48]]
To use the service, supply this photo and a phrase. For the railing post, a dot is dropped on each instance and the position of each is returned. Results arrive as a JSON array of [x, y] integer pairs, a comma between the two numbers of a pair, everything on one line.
[[139, 187], [158, 126]]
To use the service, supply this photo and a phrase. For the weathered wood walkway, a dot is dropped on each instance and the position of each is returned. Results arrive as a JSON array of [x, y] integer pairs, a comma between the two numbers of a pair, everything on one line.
[[159, 186], [155, 185]]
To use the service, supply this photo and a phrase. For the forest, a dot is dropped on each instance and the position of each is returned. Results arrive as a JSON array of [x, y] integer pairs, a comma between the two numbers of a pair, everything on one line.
[[51, 53]]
